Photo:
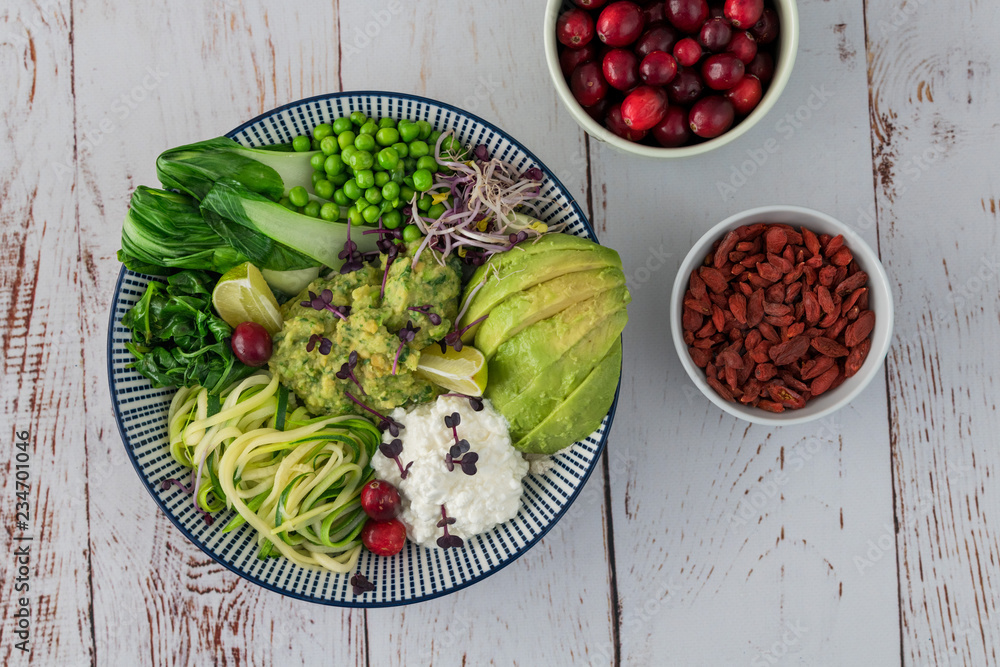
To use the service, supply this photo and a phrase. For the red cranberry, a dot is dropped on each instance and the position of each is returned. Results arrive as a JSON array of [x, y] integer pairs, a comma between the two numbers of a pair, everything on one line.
[[766, 29], [570, 59], [687, 15], [687, 51], [380, 500], [251, 344], [658, 68], [686, 87], [587, 84], [620, 23], [655, 11], [599, 110], [715, 34], [644, 107], [575, 28], [590, 4], [744, 13], [711, 116], [746, 94], [614, 122], [621, 69], [722, 71], [660, 37], [716, 12], [743, 46], [762, 67], [673, 130], [384, 538]]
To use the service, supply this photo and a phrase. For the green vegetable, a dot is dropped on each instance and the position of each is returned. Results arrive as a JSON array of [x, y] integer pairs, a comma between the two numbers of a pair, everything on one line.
[[176, 338], [246, 215], [196, 167]]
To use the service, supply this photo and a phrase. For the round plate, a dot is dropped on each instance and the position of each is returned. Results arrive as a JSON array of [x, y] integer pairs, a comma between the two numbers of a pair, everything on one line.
[[417, 573]]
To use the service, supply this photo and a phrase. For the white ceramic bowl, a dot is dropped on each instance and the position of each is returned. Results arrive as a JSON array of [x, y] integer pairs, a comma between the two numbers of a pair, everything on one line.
[[879, 300], [788, 44]]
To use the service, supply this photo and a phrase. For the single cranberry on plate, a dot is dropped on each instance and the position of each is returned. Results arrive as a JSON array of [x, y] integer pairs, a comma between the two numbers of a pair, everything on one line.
[[686, 87], [380, 500], [570, 59], [711, 116], [722, 71], [687, 51], [762, 67], [588, 84], [575, 28], [746, 94], [644, 107], [620, 23], [621, 69], [659, 37], [687, 15], [673, 130], [658, 68], [715, 34], [743, 13], [766, 29], [384, 538], [613, 121], [743, 46]]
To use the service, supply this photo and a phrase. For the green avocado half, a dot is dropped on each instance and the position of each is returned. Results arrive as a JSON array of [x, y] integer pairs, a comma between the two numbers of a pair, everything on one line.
[[581, 413], [519, 269], [550, 357], [540, 302]]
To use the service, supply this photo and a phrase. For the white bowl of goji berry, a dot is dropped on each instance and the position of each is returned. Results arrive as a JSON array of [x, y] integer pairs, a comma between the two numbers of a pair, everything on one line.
[[781, 315]]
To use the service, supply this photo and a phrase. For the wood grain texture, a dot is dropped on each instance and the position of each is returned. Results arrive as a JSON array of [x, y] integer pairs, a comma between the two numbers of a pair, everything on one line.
[[934, 135]]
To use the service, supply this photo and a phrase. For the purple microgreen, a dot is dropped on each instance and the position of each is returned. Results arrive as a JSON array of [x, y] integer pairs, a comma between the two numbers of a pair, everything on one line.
[[475, 401], [481, 153], [533, 174], [406, 335], [459, 452], [514, 239], [454, 337], [325, 344], [325, 302], [353, 259], [167, 483], [347, 371], [391, 253], [425, 309], [468, 463], [385, 423], [448, 541], [393, 450], [360, 584]]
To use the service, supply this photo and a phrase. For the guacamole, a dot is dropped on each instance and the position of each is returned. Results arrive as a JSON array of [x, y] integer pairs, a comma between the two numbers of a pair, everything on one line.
[[371, 329]]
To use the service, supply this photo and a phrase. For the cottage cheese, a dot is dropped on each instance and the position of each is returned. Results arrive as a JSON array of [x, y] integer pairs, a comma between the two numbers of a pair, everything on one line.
[[477, 502]]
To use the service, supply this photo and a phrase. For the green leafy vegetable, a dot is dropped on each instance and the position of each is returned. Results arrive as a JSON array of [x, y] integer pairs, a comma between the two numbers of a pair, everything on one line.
[[177, 340]]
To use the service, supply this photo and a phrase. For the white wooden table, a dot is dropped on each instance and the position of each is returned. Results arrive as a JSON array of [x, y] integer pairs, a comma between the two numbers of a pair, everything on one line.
[[870, 538]]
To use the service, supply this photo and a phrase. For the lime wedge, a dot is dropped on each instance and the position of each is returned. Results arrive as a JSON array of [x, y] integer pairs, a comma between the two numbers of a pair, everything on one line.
[[463, 372], [242, 295]]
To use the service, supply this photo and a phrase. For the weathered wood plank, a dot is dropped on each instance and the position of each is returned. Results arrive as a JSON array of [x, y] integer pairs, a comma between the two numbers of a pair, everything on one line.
[[42, 341], [736, 543], [934, 133], [551, 606], [176, 73]]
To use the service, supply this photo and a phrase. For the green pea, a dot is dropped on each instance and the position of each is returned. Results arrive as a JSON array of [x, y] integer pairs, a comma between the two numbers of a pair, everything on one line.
[[339, 198], [341, 125], [311, 209], [329, 211], [425, 129], [369, 128], [371, 213], [339, 179], [316, 161], [386, 206], [324, 188], [390, 190], [354, 215], [373, 195], [381, 178], [392, 219], [329, 145], [346, 154], [411, 233], [352, 190], [313, 145], [346, 139], [406, 193], [402, 150], [365, 142], [410, 164], [424, 202], [453, 146], [435, 211], [422, 180], [398, 174], [387, 122], [322, 130], [364, 178], [358, 118], [388, 158], [427, 162], [298, 196], [419, 148], [301, 144], [434, 137], [387, 136], [317, 176], [408, 131], [287, 203], [362, 160], [333, 165]]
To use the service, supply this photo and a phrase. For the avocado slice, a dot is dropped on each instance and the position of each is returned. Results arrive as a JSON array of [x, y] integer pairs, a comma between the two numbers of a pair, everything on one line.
[[551, 387], [582, 411], [546, 348], [525, 266], [540, 302]]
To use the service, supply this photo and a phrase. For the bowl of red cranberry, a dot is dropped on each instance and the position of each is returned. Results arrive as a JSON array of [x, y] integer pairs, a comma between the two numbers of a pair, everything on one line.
[[670, 78]]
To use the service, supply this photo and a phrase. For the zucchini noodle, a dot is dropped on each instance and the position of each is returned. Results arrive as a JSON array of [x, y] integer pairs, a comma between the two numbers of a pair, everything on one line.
[[294, 478]]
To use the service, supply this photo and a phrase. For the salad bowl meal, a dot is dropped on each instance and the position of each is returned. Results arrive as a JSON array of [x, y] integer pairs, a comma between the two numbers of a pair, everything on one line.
[[364, 350]]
